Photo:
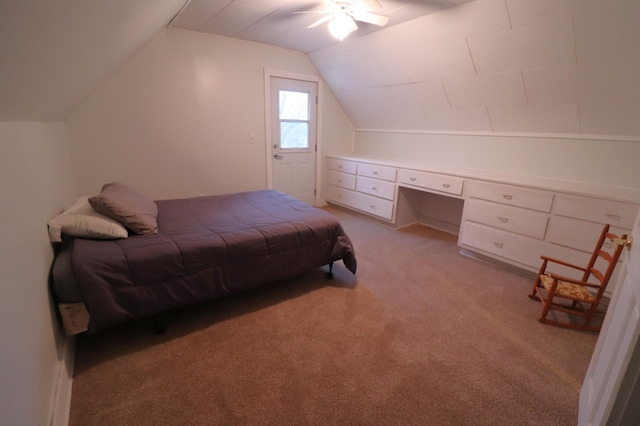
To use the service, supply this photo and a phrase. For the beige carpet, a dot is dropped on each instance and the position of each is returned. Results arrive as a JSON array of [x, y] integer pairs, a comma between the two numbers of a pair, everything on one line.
[[422, 336]]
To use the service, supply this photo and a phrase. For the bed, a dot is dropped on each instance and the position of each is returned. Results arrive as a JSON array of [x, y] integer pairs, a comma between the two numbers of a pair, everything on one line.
[[201, 248]]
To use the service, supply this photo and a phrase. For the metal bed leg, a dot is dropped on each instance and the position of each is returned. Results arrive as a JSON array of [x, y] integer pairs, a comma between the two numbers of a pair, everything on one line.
[[159, 324], [329, 274]]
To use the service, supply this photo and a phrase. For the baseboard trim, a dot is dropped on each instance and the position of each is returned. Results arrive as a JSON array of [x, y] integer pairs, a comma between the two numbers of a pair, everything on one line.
[[64, 383]]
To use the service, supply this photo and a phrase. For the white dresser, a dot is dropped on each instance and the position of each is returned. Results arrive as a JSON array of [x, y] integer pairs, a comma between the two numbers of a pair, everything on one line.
[[510, 223], [369, 188]]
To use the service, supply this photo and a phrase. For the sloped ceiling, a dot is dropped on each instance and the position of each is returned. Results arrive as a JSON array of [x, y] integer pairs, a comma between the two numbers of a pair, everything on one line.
[[524, 66], [281, 23], [56, 53], [531, 66]]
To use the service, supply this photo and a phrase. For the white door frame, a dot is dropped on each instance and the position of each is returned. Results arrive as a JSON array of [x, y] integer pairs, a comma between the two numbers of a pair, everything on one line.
[[268, 73]]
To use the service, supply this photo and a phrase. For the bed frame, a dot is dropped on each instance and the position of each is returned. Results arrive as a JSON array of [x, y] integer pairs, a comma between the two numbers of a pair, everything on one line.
[[205, 248]]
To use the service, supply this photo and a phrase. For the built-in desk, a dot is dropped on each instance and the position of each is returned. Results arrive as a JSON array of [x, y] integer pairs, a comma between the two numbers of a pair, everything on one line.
[[511, 219]]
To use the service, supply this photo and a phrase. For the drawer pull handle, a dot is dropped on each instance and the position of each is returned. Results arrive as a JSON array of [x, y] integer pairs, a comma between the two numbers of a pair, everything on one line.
[[373, 206], [499, 245], [373, 188], [503, 219], [613, 216], [446, 185], [375, 172], [507, 196], [340, 166], [340, 180], [412, 179]]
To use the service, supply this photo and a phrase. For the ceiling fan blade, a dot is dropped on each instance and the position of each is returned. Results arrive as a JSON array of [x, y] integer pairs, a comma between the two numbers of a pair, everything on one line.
[[371, 18], [321, 21]]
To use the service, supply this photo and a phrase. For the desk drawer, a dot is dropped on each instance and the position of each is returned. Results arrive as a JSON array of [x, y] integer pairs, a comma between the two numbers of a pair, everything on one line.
[[377, 172], [511, 195], [433, 181], [376, 187], [521, 221], [343, 180], [342, 165]]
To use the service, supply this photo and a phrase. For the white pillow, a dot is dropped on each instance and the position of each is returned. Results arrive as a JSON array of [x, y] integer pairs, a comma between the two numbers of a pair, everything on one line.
[[81, 220]]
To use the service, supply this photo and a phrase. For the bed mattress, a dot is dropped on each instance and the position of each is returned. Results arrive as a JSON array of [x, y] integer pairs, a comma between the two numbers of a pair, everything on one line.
[[205, 248]]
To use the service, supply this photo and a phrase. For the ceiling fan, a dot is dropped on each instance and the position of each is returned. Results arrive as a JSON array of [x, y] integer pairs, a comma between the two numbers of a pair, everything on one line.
[[343, 14]]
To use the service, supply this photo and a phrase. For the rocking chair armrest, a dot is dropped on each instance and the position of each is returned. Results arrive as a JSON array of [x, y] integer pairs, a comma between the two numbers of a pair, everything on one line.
[[562, 262]]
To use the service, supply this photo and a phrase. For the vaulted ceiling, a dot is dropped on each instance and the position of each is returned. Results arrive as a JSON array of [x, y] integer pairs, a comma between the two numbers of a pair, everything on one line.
[[527, 66], [281, 23], [55, 53], [536, 66]]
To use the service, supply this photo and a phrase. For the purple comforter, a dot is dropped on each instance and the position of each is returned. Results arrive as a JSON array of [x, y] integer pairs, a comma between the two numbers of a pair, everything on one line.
[[206, 247]]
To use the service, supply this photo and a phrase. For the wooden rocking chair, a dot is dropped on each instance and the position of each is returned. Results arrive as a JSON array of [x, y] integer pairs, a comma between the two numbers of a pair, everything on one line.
[[585, 294]]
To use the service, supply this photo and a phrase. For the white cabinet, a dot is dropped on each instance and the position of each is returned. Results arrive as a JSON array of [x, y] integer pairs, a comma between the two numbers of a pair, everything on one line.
[[519, 250], [367, 187], [431, 181], [517, 225], [341, 165], [512, 219], [377, 171], [340, 179], [519, 196], [514, 224], [382, 189], [597, 210], [507, 221]]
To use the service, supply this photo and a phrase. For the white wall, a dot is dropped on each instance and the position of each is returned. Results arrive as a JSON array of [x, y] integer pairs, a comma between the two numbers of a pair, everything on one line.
[[175, 120], [36, 185], [603, 161]]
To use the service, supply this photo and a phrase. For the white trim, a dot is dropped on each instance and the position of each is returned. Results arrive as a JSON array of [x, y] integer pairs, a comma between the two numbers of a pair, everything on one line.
[[319, 151], [60, 411], [509, 135], [271, 72]]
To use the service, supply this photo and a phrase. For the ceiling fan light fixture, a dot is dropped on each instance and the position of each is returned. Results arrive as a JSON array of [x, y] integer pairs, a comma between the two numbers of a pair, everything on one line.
[[341, 26]]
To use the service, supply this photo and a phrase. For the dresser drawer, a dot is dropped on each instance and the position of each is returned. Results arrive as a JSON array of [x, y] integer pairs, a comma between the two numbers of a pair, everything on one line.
[[578, 234], [511, 195], [366, 203], [376, 171], [596, 210], [342, 165], [373, 205], [376, 187], [341, 179], [433, 181], [526, 222], [341, 195], [520, 249]]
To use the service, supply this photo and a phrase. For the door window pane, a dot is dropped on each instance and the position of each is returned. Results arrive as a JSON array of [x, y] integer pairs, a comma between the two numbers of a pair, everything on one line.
[[294, 134], [294, 105]]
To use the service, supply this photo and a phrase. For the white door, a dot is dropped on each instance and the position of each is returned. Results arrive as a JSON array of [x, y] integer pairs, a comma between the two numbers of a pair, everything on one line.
[[616, 342], [293, 137]]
